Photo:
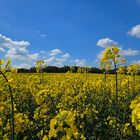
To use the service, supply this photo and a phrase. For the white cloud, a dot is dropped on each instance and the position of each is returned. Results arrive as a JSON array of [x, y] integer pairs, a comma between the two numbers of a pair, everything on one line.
[[80, 62], [135, 31], [62, 59], [55, 52], [57, 60], [6, 42], [17, 50], [34, 56], [106, 42], [22, 65], [54, 61], [136, 62], [20, 56], [66, 55], [130, 52]]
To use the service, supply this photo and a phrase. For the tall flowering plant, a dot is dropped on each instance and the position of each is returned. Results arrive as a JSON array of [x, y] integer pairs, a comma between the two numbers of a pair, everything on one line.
[[112, 59]]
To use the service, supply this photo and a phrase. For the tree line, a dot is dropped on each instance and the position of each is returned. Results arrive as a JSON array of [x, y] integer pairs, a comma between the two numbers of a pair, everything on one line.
[[64, 69]]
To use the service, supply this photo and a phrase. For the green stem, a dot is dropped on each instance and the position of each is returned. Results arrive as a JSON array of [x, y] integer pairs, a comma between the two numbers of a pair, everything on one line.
[[133, 85], [105, 76], [117, 100]]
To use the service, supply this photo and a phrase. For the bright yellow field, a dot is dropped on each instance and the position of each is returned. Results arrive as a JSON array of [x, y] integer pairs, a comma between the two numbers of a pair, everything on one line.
[[68, 106]]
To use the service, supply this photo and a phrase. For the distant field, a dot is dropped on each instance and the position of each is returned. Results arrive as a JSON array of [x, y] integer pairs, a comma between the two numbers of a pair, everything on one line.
[[68, 106]]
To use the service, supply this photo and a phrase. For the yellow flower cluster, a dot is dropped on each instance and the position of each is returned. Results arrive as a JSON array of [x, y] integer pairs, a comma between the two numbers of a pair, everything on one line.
[[135, 106], [133, 69], [64, 122], [69, 106], [111, 56], [39, 65]]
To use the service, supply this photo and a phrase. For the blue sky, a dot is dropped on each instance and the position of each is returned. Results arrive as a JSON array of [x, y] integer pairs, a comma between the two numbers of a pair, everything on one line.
[[68, 32]]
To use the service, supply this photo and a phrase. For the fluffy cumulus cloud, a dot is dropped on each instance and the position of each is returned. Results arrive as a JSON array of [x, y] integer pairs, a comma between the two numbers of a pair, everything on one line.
[[136, 62], [106, 42], [22, 65], [66, 55], [54, 61], [6, 42], [55, 52], [130, 52], [16, 50], [135, 31], [21, 54], [57, 57], [80, 62]]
